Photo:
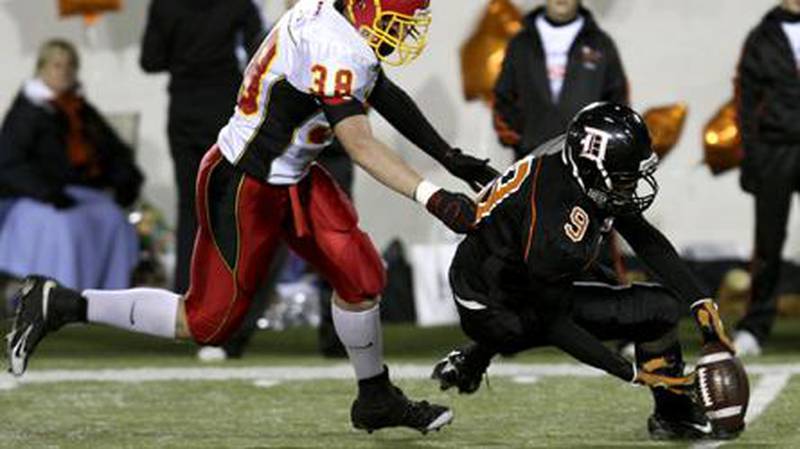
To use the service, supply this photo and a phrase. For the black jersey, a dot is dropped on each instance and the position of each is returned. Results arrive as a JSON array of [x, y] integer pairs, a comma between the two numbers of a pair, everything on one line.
[[537, 229]]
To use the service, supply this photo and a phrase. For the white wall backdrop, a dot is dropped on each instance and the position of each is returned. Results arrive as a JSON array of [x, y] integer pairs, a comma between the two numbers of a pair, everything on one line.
[[680, 50]]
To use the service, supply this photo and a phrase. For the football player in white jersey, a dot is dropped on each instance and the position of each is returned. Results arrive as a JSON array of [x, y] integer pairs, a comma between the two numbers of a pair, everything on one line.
[[259, 185]]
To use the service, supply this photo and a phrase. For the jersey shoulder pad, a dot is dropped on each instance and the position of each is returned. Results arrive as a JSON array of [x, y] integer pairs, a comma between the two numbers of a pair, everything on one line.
[[332, 60]]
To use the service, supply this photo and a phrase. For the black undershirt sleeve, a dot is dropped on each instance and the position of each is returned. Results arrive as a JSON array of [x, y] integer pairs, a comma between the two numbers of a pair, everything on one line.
[[660, 256], [397, 107], [576, 341], [553, 313]]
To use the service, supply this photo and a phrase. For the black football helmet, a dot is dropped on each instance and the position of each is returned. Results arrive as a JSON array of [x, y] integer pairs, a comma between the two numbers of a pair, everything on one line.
[[608, 149]]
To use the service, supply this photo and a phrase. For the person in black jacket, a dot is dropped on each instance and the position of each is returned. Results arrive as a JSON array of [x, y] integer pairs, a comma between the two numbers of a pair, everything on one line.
[[52, 137], [196, 41], [58, 160], [560, 62], [768, 94]]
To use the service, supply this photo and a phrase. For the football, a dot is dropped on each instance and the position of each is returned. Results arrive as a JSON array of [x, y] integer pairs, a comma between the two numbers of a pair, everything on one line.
[[722, 390]]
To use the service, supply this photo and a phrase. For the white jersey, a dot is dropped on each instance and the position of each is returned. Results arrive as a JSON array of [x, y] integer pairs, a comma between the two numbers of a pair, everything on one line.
[[312, 56]]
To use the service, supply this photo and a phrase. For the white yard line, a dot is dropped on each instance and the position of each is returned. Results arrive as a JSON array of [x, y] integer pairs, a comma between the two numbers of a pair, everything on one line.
[[772, 377], [339, 371], [769, 386]]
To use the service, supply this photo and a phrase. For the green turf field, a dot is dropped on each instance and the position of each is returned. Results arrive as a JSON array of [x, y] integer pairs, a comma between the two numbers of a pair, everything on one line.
[[251, 412]]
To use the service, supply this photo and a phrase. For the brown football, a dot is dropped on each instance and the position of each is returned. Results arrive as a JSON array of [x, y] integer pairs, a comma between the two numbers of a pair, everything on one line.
[[722, 390]]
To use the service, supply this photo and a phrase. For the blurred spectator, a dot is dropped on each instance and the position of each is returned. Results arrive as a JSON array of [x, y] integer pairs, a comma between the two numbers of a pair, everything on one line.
[[560, 62], [196, 42], [65, 175], [768, 90]]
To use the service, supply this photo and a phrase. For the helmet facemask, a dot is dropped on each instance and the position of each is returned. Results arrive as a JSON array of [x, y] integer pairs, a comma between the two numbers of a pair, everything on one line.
[[614, 192], [395, 37], [623, 193]]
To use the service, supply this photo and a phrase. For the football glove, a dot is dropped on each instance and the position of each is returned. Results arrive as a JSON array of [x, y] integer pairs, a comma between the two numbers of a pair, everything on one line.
[[706, 315], [455, 210], [676, 384], [475, 172]]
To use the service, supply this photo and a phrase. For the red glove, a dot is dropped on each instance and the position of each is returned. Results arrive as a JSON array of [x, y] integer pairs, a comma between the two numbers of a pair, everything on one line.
[[455, 210]]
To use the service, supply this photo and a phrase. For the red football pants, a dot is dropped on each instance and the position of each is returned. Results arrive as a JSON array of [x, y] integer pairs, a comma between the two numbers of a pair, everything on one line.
[[242, 219]]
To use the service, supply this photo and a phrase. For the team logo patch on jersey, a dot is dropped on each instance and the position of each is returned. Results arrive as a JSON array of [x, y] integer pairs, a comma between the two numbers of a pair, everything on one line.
[[590, 57]]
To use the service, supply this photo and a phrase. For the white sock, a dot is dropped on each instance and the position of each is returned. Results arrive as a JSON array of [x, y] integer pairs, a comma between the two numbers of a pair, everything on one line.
[[362, 337], [143, 310]]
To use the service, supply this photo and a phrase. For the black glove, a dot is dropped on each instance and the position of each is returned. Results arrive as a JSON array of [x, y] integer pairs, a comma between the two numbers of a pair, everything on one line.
[[475, 172], [61, 200], [455, 210]]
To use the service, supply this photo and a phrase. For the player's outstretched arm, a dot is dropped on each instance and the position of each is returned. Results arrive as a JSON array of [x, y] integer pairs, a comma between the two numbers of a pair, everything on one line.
[[397, 107], [568, 336], [455, 210], [660, 256]]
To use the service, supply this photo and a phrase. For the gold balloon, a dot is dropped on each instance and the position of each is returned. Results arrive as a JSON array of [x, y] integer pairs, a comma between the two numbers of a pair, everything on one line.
[[87, 7], [666, 125], [483, 53], [722, 140]]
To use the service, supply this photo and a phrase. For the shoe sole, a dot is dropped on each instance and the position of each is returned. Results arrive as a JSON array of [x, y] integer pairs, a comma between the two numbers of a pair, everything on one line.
[[686, 432], [441, 421], [436, 425]]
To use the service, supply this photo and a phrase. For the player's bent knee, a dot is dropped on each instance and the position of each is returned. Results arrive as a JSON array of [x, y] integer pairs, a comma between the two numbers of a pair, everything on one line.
[[662, 310], [356, 304], [364, 282], [214, 323]]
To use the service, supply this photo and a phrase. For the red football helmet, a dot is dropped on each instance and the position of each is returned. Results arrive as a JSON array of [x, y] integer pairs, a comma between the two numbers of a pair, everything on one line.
[[397, 30]]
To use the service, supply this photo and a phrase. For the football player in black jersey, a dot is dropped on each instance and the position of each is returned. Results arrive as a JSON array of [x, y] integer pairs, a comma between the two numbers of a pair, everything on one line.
[[538, 227]]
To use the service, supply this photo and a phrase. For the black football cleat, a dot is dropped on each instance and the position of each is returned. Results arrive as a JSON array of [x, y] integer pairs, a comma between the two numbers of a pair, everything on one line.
[[381, 405], [682, 419], [461, 368], [37, 315]]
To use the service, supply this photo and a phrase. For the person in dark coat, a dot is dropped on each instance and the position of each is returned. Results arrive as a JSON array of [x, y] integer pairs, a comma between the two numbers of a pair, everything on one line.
[[65, 176], [560, 62], [768, 94], [196, 41]]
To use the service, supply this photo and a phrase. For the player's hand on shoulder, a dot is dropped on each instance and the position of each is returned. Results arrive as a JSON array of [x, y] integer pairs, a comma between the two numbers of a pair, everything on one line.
[[475, 172], [455, 210], [706, 315]]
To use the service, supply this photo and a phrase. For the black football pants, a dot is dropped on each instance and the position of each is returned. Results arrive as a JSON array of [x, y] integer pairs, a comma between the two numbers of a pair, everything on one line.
[[195, 120], [641, 313], [773, 200]]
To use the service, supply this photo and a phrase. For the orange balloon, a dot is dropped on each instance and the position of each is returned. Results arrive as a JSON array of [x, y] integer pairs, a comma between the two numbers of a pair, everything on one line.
[[483, 53], [722, 140], [666, 125], [87, 7]]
